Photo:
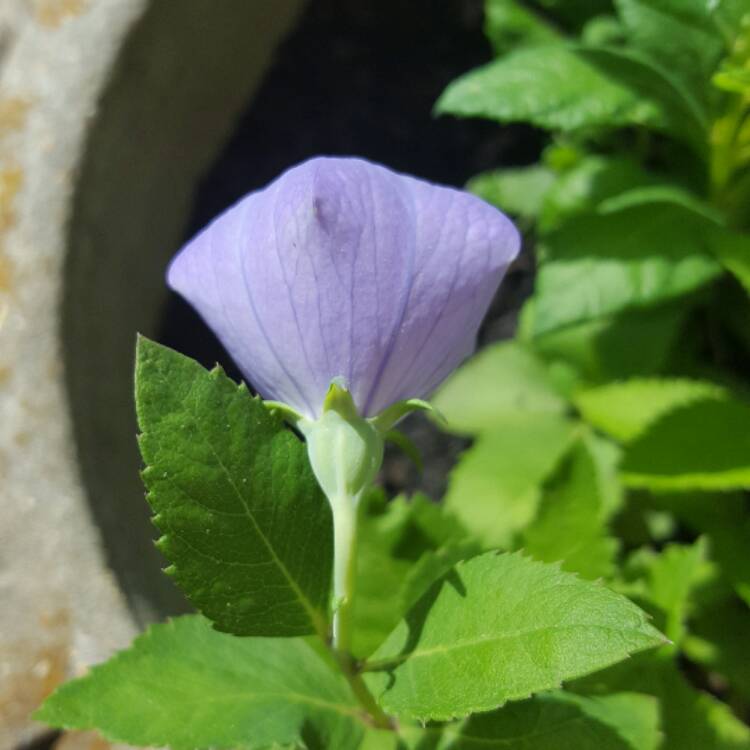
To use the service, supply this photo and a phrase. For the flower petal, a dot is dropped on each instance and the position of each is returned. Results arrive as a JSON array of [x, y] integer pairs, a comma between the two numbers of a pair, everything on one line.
[[342, 268]]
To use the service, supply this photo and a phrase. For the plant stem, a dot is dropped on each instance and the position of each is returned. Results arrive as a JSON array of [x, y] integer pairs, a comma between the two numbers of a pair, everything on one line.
[[344, 569], [362, 692], [344, 578]]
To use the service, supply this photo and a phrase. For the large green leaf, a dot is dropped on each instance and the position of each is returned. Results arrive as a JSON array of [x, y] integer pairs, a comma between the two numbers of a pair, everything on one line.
[[503, 379], [626, 409], [244, 524], [500, 627], [188, 687], [508, 23], [679, 35], [496, 487], [639, 256], [704, 445], [560, 721], [571, 523], [559, 87], [690, 719]]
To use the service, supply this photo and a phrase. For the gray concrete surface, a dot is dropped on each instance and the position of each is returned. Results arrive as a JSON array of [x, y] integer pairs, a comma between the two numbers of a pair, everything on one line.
[[110, 110]]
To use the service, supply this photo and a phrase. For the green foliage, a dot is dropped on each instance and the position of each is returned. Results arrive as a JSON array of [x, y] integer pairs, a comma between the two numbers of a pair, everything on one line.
[[627, 408], [244, 524], [723, 519], [700, 446], [581, 188], [600, 264], [499, 628], [664, 582], [733, 250], [637, 213], [503, 380], [637, 342], [410, 543], [495, 489], [508, 23], [520, 192], [561, 721], [690, 719], [566, 88], [185, 686], [571, 521], [718, 640], [679, 35]]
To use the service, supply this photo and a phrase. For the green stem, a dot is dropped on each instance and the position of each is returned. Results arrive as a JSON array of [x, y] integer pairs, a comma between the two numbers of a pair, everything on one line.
[[362, 692], [344, 578], [344, 569]]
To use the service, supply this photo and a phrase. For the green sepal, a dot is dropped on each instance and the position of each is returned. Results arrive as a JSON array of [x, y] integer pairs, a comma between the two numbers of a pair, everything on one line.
[[394, 413], [339, 399], [286, 412]]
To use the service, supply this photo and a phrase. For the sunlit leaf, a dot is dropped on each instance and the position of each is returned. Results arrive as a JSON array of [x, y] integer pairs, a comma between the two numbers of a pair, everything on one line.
[[496, 487], [185, 686], [244, 523], [500, 627]]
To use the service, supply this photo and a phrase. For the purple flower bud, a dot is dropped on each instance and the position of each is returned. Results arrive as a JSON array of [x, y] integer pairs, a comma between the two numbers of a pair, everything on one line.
[[342, 268]]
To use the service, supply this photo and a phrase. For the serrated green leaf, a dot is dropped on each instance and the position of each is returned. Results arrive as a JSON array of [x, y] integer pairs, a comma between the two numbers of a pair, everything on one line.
[[495, 489], [691, 719], [560, 721], [519, 192], [597, 265], [244, 524], [559, 87], [679, 35], [499, 628], [625, 410], [571, 522], [189, 687], [704, 445], [508, 23], [504, 378]]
